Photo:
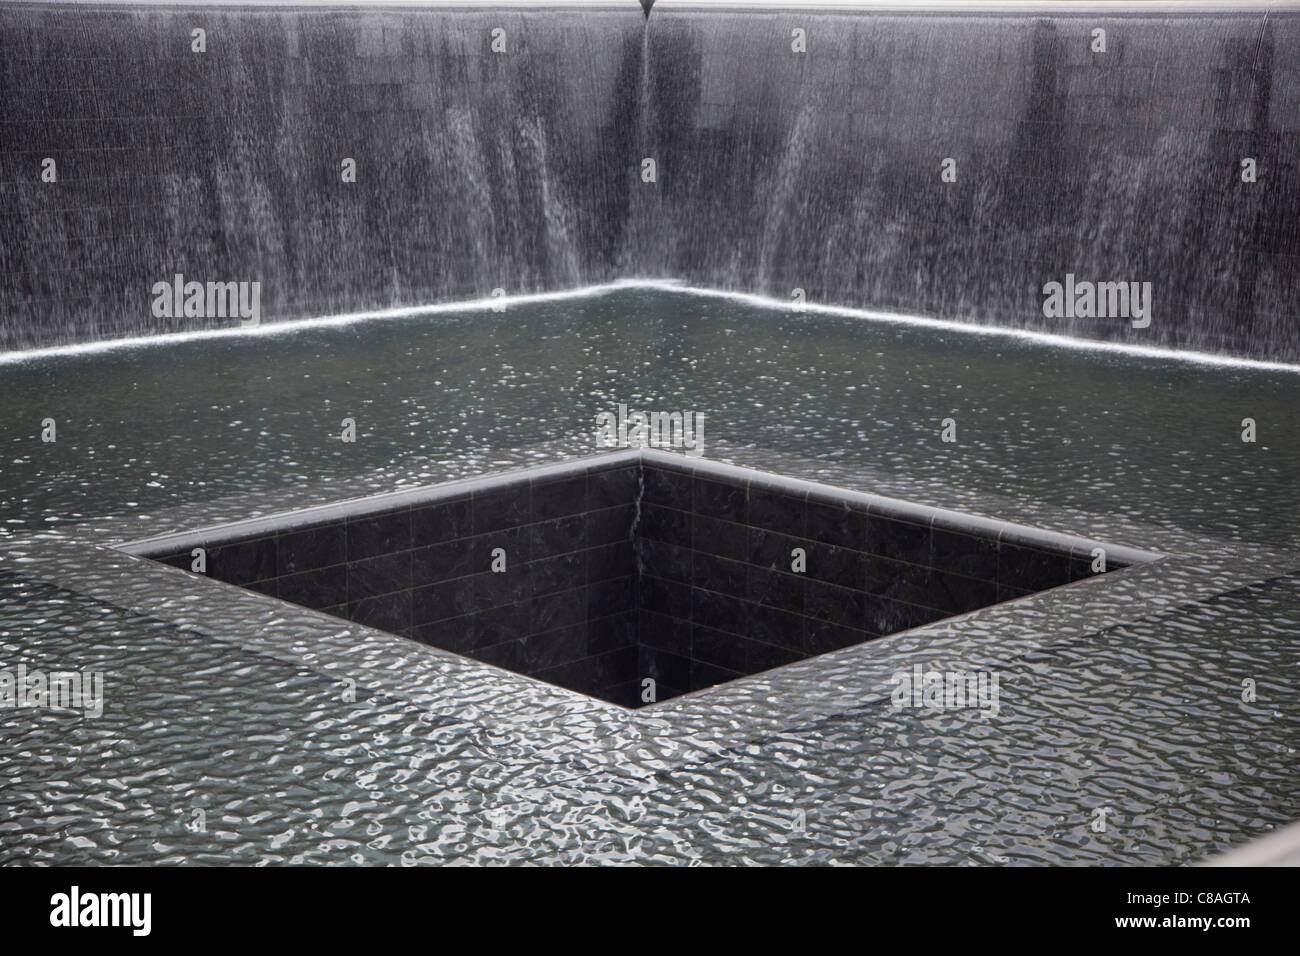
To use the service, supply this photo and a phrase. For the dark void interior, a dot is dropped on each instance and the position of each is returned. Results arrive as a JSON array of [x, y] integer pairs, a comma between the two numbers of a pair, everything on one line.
[[607, 572]]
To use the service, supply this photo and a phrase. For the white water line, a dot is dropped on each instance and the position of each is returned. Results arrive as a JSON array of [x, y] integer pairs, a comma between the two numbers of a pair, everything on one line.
[[670, 285]]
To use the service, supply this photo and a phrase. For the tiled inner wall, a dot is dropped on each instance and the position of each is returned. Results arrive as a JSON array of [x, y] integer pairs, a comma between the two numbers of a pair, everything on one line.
[[719, 596], [563, 611], [631, 568]]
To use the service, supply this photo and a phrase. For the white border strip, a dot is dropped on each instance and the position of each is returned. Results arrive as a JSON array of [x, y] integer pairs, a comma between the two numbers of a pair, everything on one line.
[[1027, 335], [672, 285]]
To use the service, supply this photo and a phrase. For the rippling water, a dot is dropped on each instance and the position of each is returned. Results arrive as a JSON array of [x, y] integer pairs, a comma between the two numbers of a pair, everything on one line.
[[1145, 721]]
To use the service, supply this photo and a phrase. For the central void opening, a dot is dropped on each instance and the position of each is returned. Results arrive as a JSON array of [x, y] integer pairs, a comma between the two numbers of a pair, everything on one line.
[[636, 576]]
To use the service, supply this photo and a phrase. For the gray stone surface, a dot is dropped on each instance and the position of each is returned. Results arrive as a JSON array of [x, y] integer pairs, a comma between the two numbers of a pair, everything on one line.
[[776, 170]]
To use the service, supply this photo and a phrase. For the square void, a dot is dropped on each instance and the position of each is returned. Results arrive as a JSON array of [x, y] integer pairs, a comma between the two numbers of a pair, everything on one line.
[[634, 566]]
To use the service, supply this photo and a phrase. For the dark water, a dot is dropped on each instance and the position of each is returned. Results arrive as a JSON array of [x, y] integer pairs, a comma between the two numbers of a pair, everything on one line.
[[776, 170], [1145, 720], [1157, 441]]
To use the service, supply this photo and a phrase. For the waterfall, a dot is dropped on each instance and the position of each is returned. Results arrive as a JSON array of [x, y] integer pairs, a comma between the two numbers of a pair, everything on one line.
[[503, 148]]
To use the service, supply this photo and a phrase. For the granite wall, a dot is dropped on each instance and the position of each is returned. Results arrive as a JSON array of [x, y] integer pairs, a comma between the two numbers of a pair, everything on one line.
[[776, 169]]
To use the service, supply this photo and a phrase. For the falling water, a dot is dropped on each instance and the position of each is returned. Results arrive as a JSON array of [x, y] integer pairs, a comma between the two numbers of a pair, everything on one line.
[[640, 256], [776, 169]]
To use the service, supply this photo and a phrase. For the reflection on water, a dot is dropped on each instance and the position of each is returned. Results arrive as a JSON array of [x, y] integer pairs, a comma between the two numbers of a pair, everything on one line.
[[1146, 721], [1160, 441]]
